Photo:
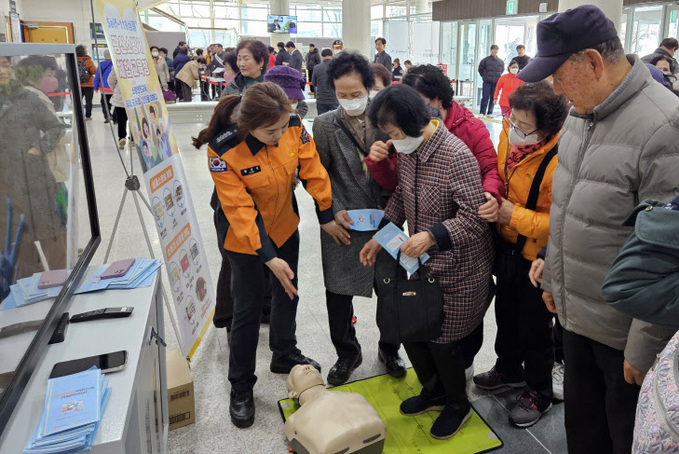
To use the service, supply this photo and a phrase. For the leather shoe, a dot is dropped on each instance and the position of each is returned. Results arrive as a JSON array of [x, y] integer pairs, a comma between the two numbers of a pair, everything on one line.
[[396, 367], [242, 409], [285, 365], [343, 369]]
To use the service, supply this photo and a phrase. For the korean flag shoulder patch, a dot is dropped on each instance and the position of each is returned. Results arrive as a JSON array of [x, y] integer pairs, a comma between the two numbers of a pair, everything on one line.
[[304, 136], [216, 164]]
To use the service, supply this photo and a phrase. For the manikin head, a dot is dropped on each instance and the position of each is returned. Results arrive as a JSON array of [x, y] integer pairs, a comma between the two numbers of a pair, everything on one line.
[[302, 378]]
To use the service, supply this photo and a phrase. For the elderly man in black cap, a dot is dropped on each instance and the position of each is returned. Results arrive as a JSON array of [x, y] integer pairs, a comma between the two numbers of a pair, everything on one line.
[[618, 147]]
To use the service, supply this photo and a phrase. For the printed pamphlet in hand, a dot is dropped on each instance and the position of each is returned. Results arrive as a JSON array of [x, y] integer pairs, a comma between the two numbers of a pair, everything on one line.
[[365, 220], [392, 238]]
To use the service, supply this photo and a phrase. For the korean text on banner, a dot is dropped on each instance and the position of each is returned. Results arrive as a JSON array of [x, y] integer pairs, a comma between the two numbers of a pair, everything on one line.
[[166, 182]]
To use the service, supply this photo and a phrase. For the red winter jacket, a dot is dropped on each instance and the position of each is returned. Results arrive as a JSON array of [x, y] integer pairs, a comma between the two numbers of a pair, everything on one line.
[[461, 123]]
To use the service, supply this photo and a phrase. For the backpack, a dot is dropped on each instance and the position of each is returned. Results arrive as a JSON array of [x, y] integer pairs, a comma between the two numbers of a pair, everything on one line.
[[657, 420], [83, 73]]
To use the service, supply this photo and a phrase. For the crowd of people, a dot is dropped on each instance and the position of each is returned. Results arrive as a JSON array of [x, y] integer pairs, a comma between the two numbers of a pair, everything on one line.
[[534, 224]]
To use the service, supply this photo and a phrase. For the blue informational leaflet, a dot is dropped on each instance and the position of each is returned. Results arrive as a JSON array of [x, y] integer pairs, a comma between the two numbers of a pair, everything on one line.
[[391, 238], [365, 220], [140, 275], [72, 401], [74, 406]]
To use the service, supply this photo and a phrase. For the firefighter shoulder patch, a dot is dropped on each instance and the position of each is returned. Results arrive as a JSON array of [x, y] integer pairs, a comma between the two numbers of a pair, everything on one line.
[[216, 164], [304, 136]]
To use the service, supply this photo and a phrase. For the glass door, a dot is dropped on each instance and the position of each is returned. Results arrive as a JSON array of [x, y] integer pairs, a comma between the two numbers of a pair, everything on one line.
[[672, 26], [646, 32], [485, 39], [509, 33], [467, 62]]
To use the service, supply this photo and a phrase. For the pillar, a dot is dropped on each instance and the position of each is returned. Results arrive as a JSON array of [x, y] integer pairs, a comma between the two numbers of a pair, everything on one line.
[[612, 8], [356, 26], [279, 8]]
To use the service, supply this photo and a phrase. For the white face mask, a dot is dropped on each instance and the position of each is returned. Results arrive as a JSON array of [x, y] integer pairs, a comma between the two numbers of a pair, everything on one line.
[[372, 94], [514, 70], [408, 145], [516, 139], [155, 54], [294, 105], [354, 107]]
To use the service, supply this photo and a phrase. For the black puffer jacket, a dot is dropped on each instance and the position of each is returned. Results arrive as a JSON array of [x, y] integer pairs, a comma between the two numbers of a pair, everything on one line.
[[491, 68]]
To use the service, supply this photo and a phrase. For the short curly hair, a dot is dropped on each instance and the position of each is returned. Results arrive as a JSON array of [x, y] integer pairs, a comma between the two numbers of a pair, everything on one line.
[[431, 83], [259, 52], [550, 109], [348, 62]]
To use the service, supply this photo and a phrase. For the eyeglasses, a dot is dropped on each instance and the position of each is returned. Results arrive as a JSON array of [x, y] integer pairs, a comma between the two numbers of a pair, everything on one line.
[[519, 131]]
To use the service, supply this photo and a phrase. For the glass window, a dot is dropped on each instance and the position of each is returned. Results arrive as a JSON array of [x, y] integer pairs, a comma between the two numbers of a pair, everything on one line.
[[332, 30], [394, 10], [449, 47], [200, 38], [308, 14], [197, 22], [468, 44], [623, 29], [376, 28], [376, 12], [646, 36], [674, 22], [225, 12], [508, 34], [310, 29], [200, 10], [332, 14], [254, 12], [226, 23], [254, 28]]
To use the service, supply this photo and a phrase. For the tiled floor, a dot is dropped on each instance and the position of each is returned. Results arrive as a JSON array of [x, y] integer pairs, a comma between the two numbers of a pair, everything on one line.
[[213, 432]]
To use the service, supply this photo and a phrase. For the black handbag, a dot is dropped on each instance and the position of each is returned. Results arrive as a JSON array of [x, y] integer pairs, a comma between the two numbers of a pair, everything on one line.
[[509, 256], [409, 310]]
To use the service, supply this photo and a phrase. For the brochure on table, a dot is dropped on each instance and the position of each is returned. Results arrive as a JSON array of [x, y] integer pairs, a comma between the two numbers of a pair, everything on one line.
[[166, 183]]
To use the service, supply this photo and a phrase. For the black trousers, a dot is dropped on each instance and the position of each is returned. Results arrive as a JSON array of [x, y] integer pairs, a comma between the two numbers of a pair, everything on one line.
[[600, 405], [440, 369], [106, 111], [311, 73], [187, 91], [471, 346], [248, 274], [121, 117], [88, 94], [224, 300], [557, 333], [487, 98], [342, 331], [524, 333]]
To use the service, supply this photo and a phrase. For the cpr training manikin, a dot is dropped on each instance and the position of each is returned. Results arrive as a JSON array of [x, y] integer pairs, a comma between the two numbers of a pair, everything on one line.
[[330, 422]]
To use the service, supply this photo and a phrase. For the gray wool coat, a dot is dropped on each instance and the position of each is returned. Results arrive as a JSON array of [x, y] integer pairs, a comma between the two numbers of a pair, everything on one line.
[[351, 190]]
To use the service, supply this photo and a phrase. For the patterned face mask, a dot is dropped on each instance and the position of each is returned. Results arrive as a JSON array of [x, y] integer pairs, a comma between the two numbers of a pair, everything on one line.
[[434, 112]]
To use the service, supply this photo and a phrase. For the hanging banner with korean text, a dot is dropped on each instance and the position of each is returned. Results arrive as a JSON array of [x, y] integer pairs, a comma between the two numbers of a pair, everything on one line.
[[166, 183]]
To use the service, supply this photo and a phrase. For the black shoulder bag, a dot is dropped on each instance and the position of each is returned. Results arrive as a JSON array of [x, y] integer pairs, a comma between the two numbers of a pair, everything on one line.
[[508, 256], [409, 310]]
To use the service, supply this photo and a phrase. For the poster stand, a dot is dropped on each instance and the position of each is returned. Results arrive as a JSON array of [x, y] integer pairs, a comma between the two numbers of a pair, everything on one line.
[[132, 185]]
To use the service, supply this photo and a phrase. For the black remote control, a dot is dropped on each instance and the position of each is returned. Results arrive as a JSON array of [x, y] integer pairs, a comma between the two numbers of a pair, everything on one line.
[[59, 333], [109, 312]]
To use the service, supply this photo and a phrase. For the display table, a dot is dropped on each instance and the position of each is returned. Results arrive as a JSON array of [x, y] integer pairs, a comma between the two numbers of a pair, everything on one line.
[[136, 419]]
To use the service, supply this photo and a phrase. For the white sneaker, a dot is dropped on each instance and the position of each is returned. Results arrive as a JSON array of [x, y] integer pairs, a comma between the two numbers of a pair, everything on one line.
[[122, 142], [557, 381], [469, 372]]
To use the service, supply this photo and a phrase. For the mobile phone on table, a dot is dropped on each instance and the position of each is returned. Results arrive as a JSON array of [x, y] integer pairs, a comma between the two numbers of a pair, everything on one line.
[[52, 278], [108, 363], [118, 269]]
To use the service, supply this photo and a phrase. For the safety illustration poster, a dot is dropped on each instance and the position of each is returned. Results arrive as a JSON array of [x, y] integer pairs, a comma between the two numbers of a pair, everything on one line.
[[166, 183]]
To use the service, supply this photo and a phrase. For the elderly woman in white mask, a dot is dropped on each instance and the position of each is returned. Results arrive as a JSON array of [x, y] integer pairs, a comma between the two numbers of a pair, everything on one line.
[[343, 139]]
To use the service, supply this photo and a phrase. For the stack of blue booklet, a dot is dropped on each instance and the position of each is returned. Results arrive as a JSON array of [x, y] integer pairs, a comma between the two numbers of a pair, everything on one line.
[[74, 406], [140, 275], [26, 292]]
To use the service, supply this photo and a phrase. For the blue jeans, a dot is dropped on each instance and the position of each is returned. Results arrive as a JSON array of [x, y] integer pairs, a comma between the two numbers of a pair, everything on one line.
[[487, 98]]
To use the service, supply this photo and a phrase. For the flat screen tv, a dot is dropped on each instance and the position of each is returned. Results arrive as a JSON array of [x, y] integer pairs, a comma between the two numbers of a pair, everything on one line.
[[282, 24]]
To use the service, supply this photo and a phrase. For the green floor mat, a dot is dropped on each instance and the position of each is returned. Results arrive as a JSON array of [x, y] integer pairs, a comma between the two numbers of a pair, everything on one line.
[[410, 434]]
